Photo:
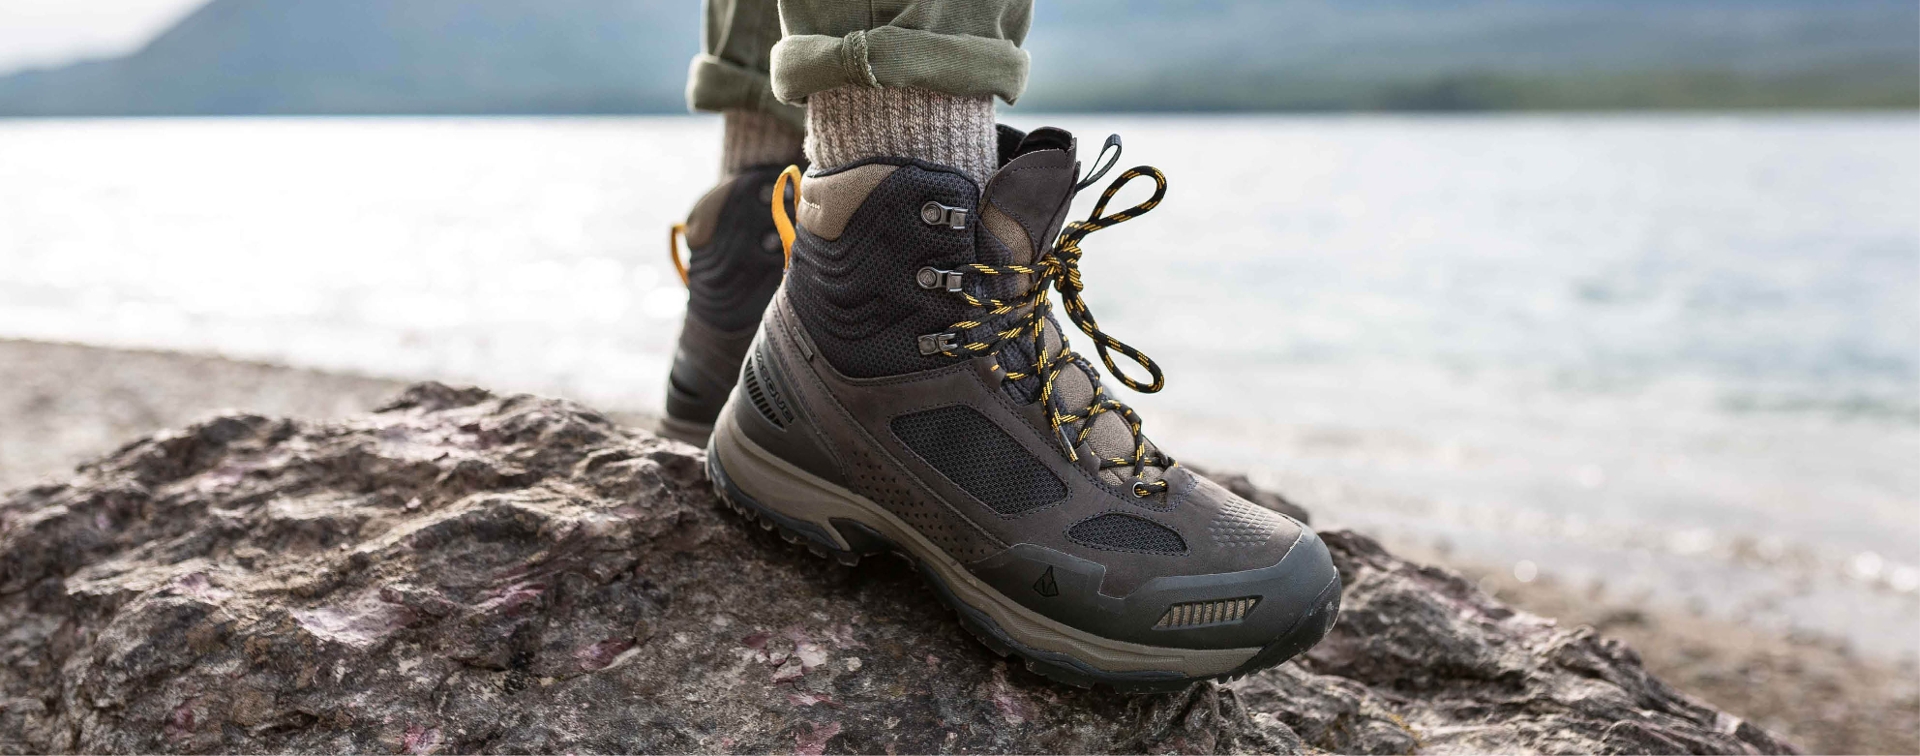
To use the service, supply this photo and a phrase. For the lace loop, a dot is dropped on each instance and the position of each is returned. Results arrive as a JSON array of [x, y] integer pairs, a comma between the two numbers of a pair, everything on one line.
[[1059, 270], [1067, 249]]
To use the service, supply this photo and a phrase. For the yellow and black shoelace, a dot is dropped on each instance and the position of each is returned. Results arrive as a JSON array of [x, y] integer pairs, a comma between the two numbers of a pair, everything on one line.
[[1059, 270]]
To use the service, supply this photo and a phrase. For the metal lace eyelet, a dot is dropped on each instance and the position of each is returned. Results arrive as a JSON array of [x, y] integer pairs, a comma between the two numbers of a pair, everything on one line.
[[936, 214], [1141, 490], [938, 343], [935, 278]]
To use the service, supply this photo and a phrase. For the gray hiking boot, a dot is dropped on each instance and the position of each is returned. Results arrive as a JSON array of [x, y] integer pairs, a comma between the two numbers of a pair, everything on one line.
[[734, 266], [910, 392]]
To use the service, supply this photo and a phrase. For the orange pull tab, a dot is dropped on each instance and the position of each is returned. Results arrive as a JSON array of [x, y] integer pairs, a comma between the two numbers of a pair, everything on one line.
[[780, 220], [673, 250]]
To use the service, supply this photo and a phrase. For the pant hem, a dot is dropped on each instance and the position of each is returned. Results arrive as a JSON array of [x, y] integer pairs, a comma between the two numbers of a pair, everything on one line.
[[714, 85], [893, 56]]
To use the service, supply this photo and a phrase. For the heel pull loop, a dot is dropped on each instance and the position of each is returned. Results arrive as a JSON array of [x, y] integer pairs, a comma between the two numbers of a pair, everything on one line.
[[781, 221], [674, 235], [1095, 171]]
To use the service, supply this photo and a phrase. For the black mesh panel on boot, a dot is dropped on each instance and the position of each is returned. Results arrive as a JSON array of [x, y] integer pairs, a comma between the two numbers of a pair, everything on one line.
[[731, 279], [856, 294], [980, 457], [1122, 532]]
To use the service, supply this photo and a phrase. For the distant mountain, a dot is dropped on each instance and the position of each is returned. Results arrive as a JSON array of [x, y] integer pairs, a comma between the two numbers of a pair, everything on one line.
[[1470, 54], [630, 56], [387, 56]]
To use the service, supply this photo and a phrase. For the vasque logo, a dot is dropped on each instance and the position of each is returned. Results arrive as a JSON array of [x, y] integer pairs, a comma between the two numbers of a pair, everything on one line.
[[1045, 585]]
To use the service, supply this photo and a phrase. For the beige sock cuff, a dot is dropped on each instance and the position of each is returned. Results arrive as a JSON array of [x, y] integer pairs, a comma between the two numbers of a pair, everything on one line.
[[754, 139], [854, 123]]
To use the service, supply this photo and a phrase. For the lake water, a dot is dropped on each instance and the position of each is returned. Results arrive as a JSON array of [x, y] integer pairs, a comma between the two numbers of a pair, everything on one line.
[[1674, 356]]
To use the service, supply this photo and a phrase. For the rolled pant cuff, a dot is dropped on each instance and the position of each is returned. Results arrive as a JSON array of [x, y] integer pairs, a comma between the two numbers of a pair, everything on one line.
[[893, 56], [714, 85]]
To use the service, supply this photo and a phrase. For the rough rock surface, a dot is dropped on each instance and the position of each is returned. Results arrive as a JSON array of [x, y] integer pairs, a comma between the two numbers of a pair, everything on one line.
[[469, 573]]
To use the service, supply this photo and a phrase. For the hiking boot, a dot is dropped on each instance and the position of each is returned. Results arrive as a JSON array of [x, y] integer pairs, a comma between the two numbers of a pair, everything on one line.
[[911, 392], [733, 267]]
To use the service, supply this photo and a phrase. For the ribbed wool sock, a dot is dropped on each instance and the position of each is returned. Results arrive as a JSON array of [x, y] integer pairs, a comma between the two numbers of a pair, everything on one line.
[[754, 139], [854, 123]]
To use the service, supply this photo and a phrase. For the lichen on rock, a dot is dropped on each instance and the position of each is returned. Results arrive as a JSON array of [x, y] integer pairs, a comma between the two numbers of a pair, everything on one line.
[[465, 572]]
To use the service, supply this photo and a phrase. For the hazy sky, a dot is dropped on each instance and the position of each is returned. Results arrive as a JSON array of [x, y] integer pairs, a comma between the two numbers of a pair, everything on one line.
[[38, 32]]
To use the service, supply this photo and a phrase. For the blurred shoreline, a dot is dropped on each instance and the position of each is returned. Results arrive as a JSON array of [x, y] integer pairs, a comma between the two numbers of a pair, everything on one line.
[[61, 404]]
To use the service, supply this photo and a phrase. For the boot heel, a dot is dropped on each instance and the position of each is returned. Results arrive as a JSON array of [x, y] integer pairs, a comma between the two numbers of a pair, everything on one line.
[[782, 497]]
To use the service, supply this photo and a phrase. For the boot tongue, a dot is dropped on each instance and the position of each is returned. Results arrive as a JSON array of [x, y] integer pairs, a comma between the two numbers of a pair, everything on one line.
[[1023, 208], [1026, 201]]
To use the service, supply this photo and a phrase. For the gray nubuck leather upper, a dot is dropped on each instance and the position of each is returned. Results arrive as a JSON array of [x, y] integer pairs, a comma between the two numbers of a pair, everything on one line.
[[837, 385], [734, 266]]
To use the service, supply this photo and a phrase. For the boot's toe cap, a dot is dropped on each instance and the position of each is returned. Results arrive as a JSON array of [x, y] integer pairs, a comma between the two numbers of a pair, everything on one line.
[[1294, 586], [1248, 607]]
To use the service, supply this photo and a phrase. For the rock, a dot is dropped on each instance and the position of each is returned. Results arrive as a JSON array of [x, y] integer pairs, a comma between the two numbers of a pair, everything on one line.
[[1421, 659], [462, 572]]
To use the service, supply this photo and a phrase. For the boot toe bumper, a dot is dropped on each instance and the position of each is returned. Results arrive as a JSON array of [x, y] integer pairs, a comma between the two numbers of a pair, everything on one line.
[[1288, 604]]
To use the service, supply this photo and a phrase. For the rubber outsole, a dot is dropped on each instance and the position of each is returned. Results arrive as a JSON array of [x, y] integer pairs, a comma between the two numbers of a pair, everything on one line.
[[1059, 667]]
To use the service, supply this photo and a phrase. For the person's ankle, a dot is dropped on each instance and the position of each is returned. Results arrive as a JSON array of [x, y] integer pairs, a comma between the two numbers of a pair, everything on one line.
[[754, 139], [850, 124]]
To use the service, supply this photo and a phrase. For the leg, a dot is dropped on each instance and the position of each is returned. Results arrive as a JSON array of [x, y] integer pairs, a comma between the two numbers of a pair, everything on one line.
[[911, 390], [912, 78], [730, 76], [734, 255]]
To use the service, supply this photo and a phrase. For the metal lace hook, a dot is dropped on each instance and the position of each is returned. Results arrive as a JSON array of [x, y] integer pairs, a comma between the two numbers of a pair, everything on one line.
[[1098, 170]]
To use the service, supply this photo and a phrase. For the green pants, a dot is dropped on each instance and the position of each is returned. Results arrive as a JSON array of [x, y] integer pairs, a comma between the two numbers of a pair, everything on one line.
[[960, 47]]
